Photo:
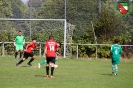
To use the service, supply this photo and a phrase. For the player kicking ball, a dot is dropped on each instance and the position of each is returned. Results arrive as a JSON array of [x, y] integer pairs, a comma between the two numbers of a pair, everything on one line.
[[28, 52], [44, 61], [115, 51]]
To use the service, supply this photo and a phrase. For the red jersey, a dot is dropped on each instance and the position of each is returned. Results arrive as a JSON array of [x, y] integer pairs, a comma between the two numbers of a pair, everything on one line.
[[31, 46], [51, 48]]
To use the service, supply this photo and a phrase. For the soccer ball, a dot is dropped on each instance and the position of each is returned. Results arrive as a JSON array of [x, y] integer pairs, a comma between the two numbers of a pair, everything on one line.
[[55, 66]]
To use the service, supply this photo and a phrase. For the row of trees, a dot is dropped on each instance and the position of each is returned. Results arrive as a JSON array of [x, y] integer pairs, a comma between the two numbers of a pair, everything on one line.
[[108, 25]]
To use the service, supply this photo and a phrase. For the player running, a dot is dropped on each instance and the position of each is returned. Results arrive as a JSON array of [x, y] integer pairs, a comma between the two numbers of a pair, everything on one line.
[[28, 52], [50, 53], [116, 51], [19, 41]]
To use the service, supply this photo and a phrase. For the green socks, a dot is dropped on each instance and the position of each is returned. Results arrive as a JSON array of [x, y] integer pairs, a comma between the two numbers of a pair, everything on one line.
[[43, 62], [55, 59], [113, 67], [116, 71]]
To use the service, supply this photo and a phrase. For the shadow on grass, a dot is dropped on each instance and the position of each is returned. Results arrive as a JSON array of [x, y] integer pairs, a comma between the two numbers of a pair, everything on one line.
[[107, 74], [39, 76], [24, 66]]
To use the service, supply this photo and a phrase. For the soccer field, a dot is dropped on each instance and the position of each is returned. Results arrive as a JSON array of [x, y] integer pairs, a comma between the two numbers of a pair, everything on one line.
[[71, 73]]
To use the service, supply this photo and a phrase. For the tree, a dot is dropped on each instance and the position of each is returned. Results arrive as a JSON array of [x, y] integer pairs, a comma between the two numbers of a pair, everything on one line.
[[107, 27], [80, 13], [5, 9], [52, 9]]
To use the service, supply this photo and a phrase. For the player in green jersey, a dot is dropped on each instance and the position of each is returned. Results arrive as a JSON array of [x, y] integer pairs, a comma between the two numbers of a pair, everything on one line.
[[116, 51], [19, 41]]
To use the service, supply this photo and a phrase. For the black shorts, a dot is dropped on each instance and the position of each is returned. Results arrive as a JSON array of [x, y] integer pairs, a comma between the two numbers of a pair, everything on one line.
[[50, 59], [26, 55]]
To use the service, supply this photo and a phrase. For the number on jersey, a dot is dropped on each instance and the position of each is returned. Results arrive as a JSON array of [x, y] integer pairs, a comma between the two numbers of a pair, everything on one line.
[[116, 51], [52, 48]]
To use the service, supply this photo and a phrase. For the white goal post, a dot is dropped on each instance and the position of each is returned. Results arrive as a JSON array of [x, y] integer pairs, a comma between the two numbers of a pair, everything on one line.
[[59, 20]]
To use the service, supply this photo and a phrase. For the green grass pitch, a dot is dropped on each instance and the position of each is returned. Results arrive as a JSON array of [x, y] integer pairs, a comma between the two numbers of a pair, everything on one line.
[[71, 73]]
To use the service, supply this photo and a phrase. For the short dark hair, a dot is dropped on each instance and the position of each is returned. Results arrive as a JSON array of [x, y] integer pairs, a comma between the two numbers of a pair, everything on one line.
[[33, 39], [51, 37], [116, 40], [59, 43], [19, 31]]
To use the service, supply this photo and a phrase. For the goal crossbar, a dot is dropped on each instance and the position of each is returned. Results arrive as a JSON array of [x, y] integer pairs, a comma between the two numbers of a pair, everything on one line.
[[12, 19]]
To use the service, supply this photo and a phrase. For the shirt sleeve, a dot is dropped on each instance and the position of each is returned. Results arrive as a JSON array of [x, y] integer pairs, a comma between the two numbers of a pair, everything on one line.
[[35, 46], [23, 38], [111, 50], [15, 38], [30, 44], [56, 47], [120, 50], [46, 44]]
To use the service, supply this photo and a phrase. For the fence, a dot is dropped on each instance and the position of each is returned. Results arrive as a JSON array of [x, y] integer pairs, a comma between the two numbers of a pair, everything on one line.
[[127, 50], [7, 48]]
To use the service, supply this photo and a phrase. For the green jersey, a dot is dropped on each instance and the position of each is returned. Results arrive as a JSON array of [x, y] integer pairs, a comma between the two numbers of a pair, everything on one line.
[[116, 51], [19, 39]]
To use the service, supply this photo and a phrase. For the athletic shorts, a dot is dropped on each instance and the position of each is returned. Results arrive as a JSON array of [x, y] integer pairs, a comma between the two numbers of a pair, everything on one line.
[[26, 55], [115, 61], [50, 59], [19, 47]]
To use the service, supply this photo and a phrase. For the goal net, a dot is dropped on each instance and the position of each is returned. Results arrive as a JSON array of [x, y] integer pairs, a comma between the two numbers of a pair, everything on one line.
[[32, 28]]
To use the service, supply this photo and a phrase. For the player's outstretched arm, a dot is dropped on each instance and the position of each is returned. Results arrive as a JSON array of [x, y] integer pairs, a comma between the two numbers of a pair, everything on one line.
[[58, 53], [14, 43], [24, 42], [37, 47]]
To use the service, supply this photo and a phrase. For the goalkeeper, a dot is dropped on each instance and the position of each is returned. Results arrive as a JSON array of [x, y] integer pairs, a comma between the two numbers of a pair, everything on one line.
[[19, 41]]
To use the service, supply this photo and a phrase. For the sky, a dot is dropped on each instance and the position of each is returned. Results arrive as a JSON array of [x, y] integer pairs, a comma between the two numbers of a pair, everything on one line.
[[24, 1]]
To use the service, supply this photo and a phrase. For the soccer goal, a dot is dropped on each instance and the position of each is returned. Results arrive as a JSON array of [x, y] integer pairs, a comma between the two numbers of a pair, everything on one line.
[[34, 28]]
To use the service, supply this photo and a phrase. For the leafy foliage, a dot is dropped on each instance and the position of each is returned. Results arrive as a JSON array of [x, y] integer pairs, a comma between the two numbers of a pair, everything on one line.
[[80, 13]]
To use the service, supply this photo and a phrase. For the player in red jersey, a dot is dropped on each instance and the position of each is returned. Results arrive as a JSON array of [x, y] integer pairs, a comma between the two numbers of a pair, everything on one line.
[[50, 53], [28, 52]]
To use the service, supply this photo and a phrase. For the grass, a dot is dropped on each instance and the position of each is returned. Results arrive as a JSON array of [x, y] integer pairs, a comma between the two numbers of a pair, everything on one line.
[[71, 73]]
